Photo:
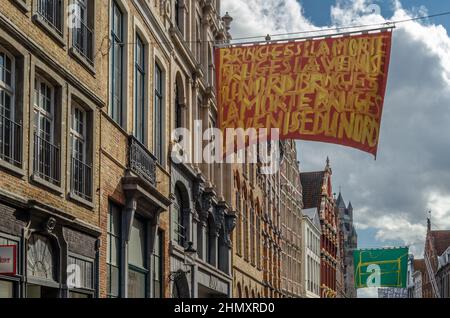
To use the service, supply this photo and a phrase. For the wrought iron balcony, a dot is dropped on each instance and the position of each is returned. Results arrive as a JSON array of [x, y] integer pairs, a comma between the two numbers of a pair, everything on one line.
[[10, 141], [51, 12], [47, 162], [81, 179], [141, 161], [82, 39]]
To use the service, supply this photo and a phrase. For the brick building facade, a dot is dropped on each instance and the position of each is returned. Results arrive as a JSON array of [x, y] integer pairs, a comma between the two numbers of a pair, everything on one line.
[[292, 280], [50, 109], [318, 194]]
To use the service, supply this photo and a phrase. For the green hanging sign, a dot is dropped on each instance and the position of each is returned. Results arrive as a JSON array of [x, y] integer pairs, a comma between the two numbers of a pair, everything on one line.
[[381, 267]]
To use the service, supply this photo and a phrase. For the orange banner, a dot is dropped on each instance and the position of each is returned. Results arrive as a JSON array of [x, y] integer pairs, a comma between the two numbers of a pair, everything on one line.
[[330, 90]]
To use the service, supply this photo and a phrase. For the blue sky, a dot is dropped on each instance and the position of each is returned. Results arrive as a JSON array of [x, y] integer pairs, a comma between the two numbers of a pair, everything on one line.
[[318, 11], [392, 195]]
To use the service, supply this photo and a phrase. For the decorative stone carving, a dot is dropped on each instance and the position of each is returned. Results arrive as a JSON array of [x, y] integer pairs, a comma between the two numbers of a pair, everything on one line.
[[50, 225]]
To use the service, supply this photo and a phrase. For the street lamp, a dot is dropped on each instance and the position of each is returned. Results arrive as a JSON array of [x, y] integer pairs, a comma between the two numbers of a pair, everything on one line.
[[189, 251]]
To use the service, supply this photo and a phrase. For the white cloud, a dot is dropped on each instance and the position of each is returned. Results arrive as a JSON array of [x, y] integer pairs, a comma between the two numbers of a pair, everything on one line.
[[393, 194], [256, 17]]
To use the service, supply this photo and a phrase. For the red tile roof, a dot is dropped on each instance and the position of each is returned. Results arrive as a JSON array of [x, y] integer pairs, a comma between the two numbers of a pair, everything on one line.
[[441, 241], [419, 265], [312, 188]]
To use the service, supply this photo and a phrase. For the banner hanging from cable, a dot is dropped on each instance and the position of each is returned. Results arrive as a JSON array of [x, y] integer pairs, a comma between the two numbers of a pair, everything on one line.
[[328, 89]]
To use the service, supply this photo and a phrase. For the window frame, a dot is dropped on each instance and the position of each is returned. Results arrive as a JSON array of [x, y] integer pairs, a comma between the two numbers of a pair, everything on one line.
[[82, 137], [145, 270], [158, 120], [15, 280], [83, 289], [58, 34], [117, 41], [140, 104], [159, 258], [84, 51], [39, 109], [9, 89], [109, 253]]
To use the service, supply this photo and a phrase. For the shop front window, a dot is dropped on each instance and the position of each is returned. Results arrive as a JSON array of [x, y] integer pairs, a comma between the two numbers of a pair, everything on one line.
[[6, 289], [137, 271], [80, 277]]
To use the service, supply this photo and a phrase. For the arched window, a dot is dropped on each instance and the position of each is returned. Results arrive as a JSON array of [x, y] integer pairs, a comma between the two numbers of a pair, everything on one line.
[[239, 291], [178, 109], [179, 16]]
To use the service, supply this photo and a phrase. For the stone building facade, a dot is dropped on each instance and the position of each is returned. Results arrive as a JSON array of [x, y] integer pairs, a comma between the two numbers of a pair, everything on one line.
[[443, 274], [248, 244], [318, 194], [52, 96], [348, 242], [292, 280], [312, 254], [201, 217], [272, 241]]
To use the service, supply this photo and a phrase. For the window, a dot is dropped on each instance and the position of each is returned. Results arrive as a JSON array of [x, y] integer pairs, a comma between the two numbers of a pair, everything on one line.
[[51, 12], [117, 48], [81, 275], [209, 241], [113, 251], [178, 107], [6, 289], [157, 266], [258, 241], [9, 284], [179, 16], [252, 235], [198, 43], [82, 36], [159, 114], [139, 91], [46, 153], [179, 230], [245, 230], [10, 131], [81, 167], [238, 223], [137, 253]]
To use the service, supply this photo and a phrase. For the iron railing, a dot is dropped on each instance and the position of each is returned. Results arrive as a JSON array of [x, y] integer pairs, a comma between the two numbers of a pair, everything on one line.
[[10, 141], [81, 179], [82, 39], [51, 12], [141, 161], [47, 162]]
